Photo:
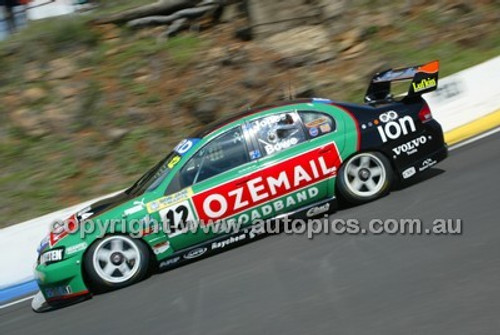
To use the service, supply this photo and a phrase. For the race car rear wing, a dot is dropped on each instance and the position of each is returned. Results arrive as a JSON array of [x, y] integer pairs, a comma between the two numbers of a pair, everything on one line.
[[424, 79]]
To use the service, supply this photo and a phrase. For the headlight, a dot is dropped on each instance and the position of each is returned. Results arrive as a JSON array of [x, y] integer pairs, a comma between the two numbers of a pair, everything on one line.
[[51, 256]]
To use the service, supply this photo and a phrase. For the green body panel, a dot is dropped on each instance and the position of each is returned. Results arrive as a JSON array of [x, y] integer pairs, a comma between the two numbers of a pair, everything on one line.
[[69, 272], [61, 274]]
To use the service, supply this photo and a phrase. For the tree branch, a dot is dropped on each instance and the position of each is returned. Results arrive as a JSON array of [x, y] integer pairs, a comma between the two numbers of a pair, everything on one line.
[[190, 13], [161, 7]]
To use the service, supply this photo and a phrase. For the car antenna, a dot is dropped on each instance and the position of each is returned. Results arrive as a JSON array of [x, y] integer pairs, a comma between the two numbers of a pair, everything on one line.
[[291, 94]]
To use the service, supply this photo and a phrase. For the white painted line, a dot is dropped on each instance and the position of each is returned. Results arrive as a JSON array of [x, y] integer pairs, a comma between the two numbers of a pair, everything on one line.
[[474, 139], [17, 301]]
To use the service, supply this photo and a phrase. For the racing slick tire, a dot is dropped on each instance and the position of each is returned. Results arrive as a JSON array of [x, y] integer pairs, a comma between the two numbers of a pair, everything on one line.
[[116, 261], [365, 177]]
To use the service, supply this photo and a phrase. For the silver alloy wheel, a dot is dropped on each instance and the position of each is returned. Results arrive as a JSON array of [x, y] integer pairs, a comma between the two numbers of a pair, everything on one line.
[[116, 259], [365, 175]]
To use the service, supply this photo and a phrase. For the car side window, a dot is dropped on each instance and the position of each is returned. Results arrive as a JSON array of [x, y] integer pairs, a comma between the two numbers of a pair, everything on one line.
[[223, 153], [277, 132], [317, 123]]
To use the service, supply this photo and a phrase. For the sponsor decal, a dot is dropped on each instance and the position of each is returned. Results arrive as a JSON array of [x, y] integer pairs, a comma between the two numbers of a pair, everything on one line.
[[410, 147], [229, 241], [315, 123], [59, 231], [147, 225], [280, 205], [169, 261], [395, 129], [176, 217], [173, 161], [388, 116], [254, 154], [313, 132], [169, 200], [195, 253], [325, 128], [318, 210], [409, 172], [424, 84], [51, 256], [139, 203], [132, 210], [267, 184], [185, 145], [76, 248], [427, 164], [161, 247], [57, 291]]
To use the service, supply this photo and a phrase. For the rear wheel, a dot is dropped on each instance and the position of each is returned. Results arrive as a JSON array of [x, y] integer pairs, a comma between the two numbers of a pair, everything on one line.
[[364, 177], [116, 261]]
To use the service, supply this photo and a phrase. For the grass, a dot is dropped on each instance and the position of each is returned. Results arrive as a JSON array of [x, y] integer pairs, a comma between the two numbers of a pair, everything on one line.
[[54, 35], [183, 48]]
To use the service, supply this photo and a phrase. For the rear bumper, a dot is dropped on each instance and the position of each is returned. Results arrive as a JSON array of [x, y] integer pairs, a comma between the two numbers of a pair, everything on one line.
[[424, 164]]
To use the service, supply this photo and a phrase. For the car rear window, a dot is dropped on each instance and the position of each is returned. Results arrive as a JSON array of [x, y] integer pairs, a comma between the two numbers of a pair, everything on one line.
[[317, 123]]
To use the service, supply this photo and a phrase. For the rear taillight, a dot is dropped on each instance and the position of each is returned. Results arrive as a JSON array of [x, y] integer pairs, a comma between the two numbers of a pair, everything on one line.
[[425, 114]]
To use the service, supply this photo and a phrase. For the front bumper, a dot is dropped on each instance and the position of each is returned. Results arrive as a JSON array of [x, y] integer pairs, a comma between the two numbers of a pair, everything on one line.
[[61, 282]]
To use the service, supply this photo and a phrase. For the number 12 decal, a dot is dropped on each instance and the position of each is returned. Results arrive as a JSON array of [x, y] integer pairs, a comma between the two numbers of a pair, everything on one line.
[[177, 217]]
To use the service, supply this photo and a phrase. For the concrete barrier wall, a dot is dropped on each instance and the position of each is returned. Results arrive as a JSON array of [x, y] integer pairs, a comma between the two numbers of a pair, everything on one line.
[[465, 103]]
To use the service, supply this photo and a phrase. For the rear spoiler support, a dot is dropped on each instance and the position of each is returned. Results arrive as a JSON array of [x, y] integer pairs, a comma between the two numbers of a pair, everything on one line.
[[424, 79]]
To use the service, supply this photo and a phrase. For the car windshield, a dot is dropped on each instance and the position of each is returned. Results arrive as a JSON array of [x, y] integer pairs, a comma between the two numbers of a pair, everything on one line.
[[151, 179]]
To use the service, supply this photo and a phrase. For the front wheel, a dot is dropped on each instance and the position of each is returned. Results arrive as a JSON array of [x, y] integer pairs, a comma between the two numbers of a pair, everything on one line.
[[116, 261], [365, 177]]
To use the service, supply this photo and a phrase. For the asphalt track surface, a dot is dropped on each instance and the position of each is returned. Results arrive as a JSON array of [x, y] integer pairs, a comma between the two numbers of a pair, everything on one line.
[[333, 284]]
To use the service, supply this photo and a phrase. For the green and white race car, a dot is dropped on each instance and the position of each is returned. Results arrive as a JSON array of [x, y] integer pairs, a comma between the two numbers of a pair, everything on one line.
[[214, 190]]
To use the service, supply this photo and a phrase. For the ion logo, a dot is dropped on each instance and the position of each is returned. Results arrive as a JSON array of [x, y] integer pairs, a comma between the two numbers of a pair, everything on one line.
[[394, 129], [388, 116]]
